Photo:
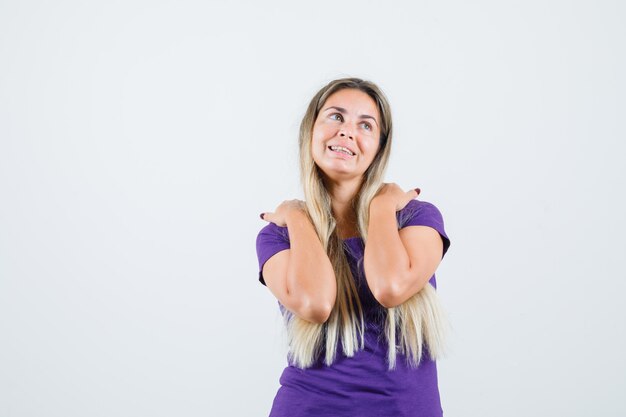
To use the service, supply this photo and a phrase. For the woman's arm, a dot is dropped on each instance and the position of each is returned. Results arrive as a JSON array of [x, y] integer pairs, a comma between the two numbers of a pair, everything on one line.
[[397, 263], [302, 277], [310, 275]]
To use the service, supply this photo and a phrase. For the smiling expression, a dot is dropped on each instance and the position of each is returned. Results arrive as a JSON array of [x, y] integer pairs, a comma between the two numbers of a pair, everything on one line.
[[350, 119]]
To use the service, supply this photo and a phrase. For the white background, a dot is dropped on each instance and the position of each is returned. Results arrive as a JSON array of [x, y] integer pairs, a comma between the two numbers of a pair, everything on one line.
[[140, 141]]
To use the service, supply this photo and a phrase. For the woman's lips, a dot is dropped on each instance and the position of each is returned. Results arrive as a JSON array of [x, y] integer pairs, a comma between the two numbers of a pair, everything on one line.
[[340, 154]]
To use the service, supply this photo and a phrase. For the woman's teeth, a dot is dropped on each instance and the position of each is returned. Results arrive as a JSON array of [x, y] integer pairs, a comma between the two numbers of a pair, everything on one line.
[[341, 149]]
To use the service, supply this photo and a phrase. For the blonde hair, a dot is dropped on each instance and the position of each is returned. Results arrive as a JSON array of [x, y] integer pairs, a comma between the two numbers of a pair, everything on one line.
[[417, 321]]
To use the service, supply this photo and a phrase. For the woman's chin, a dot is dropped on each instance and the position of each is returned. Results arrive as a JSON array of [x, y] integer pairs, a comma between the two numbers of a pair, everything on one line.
[[340, 174]]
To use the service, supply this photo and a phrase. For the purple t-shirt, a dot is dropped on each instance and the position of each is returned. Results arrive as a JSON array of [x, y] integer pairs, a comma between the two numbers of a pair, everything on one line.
[[361, 385]]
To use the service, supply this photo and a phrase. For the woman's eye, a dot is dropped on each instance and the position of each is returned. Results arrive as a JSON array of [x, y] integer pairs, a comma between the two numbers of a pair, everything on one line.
[[340, 117]]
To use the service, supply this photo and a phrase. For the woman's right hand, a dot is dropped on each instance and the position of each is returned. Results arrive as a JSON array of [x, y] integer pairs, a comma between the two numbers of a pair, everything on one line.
[[279, 216]]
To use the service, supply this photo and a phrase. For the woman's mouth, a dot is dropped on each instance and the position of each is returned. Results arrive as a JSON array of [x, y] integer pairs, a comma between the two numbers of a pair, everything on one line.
[[340, 152]]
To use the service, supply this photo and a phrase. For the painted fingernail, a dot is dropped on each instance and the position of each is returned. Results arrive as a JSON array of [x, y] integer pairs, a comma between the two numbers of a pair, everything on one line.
[[262, 215], [417, 190]]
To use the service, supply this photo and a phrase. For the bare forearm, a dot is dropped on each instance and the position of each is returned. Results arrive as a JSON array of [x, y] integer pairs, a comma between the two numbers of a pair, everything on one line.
[[310, 275], [385, 258]]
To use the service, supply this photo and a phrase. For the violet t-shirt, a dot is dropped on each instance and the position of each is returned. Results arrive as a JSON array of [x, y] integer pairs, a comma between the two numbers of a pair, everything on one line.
[[361, 385]]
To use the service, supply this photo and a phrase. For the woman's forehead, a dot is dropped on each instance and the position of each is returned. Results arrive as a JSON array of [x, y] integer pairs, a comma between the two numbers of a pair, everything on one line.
[[351, 96]]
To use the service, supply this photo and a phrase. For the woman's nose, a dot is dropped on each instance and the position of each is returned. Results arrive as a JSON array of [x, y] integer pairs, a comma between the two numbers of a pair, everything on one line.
[[344, 132]]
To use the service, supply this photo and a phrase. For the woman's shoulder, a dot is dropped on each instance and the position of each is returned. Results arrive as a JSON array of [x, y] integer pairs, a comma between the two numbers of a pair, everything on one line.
[[416, 204], [273, 230], [424, 213], [417, 208]]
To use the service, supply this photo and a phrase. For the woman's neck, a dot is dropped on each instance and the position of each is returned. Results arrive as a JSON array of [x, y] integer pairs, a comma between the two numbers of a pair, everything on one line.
[[343, 195]]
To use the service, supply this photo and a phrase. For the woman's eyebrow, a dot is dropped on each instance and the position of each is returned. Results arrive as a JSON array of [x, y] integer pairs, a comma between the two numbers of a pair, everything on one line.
[[342, 110]]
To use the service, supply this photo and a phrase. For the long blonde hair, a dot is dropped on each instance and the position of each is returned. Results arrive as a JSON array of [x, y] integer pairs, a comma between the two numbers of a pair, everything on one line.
[[417, 321]]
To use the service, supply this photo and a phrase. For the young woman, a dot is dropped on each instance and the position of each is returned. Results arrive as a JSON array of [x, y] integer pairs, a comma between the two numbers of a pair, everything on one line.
[[353, 269]]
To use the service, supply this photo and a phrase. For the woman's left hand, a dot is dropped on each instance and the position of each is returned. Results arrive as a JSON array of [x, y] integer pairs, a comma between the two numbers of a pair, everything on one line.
[[392, 195]]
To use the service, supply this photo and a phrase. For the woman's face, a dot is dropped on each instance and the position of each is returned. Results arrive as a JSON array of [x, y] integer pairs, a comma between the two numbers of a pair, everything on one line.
[[349, 119]]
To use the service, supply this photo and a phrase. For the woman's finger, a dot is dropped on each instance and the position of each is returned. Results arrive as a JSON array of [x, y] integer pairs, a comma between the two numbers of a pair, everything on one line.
[[412, 194]]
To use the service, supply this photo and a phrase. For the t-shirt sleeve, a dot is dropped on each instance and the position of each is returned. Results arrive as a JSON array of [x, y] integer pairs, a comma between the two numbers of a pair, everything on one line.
[[270, 240], [423, 213]]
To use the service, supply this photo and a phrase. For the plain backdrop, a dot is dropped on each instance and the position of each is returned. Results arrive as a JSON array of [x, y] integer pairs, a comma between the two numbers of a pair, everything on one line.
[[140, 141]]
